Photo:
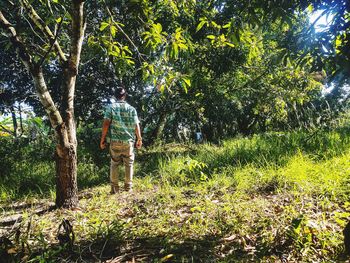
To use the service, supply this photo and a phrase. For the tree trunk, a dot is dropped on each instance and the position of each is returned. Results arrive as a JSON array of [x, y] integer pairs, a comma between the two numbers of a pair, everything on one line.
[[157, 133], [14, 122], [63, 123], [208, 131], [66, 176], [20, 119], [66, 148]]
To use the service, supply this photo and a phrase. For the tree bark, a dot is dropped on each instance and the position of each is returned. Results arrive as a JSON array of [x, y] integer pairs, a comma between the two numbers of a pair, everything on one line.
[[158, 131], [62, 122], [66, 150], [66, 175], [20, 119], [14, 122]]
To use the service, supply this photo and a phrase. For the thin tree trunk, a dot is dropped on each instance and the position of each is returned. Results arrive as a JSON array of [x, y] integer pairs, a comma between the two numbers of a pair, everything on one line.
[[20, 119], [157, 133], [14, 122]]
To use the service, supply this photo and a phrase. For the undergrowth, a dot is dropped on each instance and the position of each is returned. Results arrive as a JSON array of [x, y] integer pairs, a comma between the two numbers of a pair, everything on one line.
[[273, 197]]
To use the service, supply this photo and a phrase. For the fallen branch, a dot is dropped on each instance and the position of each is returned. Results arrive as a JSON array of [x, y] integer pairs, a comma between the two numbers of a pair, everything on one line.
[[12, 219]]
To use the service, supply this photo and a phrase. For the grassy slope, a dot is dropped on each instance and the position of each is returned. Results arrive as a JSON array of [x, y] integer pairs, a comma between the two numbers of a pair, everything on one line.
[[270, 198]]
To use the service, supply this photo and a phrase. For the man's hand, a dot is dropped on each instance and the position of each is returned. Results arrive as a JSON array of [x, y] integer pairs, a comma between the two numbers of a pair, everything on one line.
[[139, 144], [105, 127], [103, 144], [138, 136]]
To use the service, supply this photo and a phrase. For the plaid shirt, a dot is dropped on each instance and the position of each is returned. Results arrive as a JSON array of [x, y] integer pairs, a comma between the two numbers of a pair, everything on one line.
[[123, 119]]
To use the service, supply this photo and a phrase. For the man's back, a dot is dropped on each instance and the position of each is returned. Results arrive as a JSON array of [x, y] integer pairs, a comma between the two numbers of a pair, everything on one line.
[[123, 119], [122, 122]]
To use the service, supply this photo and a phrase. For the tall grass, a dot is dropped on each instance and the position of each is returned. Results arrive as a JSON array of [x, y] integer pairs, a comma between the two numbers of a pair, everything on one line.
[[313, 163], [275, 148], [265, 161], [28, 168]]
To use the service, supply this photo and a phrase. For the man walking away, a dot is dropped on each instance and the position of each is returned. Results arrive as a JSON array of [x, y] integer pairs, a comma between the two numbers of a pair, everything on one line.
[[121, 120]]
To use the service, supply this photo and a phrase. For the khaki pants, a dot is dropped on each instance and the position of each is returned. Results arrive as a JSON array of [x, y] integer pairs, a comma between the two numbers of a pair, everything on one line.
[[121, 152]]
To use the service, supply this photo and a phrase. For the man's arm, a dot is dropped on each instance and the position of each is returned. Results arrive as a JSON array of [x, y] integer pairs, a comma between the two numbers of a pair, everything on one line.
[[105, 127], [138, 136]]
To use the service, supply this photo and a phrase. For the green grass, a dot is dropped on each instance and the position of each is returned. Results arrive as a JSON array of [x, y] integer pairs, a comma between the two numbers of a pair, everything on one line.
[[269, 198]]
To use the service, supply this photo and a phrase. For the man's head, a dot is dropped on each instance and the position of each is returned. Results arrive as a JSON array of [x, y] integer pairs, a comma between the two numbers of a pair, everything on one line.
[[120, 93]]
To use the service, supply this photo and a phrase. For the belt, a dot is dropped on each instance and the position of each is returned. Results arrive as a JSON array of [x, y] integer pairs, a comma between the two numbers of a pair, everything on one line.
[[126, 142]]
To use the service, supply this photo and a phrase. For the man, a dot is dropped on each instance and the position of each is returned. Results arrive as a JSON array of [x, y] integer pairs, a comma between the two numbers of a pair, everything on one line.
[[121, 120]]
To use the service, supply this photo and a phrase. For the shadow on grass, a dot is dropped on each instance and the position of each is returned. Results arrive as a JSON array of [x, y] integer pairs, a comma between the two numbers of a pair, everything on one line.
[[149, 249], [160, 249], [114, 245]]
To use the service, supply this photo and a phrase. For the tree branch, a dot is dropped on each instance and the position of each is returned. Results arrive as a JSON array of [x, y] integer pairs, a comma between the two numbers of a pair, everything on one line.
[[78, 31], [52, 43], [43, 28], [31, 27], [70, 69], [34, 70], [316, 20], [6, 130], [125, 34], [17, 43]]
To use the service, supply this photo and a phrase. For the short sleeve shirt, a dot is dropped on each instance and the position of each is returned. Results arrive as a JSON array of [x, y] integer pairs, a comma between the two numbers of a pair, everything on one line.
[[123, 119]]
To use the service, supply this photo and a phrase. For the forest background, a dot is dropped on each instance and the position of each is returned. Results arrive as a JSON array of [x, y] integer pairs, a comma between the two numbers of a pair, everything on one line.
[[265, 83]]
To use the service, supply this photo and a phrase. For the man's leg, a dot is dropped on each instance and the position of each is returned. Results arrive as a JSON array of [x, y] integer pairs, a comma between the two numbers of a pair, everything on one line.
[[114, 176], [129, 168], [116, 159]]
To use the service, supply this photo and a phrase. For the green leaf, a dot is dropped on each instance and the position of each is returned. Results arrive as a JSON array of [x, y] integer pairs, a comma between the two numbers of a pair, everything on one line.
[[234, 39], [158, 27], [175, 50], [120, 24], [200, 25], [211, 37], [161, 87], [58, 20], [186, 90], [166, 258], [215, 24], [338, 42], [103, 26], [91, 41], [229, 44], [130, 62], [310, 8], [113, 30], [182, 46], [114, 53], [126, 48], [228, 25], [151, 68], [187, 81]]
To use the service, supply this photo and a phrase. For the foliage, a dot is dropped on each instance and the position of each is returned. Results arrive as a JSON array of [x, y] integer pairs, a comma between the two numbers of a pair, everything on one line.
[[252, 205], [219, 67], [260, 65], [27, 166]]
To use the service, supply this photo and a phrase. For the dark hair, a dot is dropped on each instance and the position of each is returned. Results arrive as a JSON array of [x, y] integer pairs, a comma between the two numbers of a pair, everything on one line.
[[120, 93]]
